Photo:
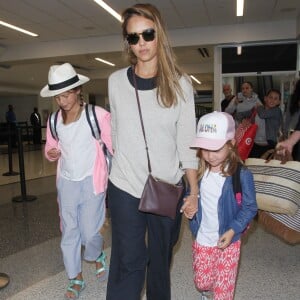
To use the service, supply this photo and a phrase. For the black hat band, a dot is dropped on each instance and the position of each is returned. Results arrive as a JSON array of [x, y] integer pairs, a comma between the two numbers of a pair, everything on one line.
[[61, 85]]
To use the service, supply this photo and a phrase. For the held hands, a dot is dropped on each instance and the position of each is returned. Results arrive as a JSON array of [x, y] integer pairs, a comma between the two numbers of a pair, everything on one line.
[[225, 239], [54, 154], [190, 206]]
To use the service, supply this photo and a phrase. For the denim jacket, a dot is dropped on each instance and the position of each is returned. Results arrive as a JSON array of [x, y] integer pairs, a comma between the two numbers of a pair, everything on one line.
[[231, 215]]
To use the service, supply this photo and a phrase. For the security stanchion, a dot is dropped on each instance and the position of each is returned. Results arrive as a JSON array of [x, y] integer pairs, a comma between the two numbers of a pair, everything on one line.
[[23, 197], [9, 152]]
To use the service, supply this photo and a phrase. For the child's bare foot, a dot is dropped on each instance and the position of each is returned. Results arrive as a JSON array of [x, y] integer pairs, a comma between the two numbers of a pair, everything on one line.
[[75, 287]]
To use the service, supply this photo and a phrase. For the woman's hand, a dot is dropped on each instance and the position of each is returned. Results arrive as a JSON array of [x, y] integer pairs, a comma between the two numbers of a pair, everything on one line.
[[284, 146], [190, 206], [54, 154]]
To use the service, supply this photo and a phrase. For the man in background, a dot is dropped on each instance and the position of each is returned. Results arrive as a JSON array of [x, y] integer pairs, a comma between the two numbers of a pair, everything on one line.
[[227, 91], [35, 120], [11, 120]]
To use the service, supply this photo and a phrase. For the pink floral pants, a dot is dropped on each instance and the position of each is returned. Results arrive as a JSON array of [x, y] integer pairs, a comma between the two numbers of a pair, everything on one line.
[[216, 270]]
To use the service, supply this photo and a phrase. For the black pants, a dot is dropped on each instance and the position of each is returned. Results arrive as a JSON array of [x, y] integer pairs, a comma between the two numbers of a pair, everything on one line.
[[131, 255], [37, 135]]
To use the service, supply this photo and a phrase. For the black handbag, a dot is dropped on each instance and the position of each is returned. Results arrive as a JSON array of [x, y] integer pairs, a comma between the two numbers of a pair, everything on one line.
[[159, 197]]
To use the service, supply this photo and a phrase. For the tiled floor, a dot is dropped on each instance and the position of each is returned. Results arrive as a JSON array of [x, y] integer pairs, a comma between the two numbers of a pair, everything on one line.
[[35, 164], [30, 251]]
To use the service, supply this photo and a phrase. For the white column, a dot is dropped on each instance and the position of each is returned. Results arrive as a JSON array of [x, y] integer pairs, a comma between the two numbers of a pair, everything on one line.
[[217, 91]]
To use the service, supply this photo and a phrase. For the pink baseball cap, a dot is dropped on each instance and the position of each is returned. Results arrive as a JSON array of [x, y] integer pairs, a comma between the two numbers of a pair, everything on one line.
[[214, 130]]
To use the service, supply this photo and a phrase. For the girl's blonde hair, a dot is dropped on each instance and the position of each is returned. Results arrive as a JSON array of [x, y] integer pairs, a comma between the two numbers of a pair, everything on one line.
[[229, 165], [168, 72]]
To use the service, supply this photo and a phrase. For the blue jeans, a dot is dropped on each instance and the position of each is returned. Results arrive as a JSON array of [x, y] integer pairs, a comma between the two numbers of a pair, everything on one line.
[[131, 256]]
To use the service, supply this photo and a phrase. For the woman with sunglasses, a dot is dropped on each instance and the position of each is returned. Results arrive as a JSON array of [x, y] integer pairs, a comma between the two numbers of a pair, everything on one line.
[[142, 243]]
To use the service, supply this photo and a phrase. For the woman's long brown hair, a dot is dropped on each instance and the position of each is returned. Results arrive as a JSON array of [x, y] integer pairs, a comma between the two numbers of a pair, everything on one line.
[[168, 72]]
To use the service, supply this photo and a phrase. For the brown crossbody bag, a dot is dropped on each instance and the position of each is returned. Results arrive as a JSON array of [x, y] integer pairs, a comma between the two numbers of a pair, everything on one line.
[[159, 197]]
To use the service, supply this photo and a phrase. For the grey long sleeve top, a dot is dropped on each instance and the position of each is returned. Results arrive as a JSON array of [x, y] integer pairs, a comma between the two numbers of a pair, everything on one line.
[[273, 121], [169, 133], [244, 108]]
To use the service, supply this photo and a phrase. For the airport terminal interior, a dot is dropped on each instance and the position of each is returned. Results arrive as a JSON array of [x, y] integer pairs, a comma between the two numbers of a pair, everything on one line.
[[206, 36]]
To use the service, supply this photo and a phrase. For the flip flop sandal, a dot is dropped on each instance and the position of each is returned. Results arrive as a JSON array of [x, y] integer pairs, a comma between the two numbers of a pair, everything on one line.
[[70, 288], [104, 269]]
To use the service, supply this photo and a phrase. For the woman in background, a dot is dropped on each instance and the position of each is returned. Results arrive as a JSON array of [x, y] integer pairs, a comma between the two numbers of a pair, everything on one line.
[[242, 105]]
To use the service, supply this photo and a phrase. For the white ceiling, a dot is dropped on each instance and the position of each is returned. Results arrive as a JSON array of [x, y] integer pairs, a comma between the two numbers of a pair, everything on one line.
[[70, 30]]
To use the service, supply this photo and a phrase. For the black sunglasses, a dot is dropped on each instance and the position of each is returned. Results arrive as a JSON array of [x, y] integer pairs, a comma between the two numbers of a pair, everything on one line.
[[148, 36]]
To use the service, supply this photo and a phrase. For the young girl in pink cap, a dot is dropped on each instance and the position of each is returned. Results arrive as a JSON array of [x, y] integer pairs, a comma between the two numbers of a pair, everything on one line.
[[221, 218]]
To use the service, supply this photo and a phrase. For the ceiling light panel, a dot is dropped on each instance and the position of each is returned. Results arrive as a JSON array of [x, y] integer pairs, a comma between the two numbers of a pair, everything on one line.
[[18, 28], [239, 8], [109, 9], [104, 61]]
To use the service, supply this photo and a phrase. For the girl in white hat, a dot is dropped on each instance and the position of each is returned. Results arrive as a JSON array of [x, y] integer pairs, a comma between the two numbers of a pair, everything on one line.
[[81, 174]]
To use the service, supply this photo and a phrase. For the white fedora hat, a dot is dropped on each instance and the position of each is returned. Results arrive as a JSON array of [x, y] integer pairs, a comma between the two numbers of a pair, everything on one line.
[[62, 78]]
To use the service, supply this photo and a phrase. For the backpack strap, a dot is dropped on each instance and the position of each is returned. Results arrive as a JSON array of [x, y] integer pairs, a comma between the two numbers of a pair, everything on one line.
[[236, 184], [237, 189], [96, 131], [94, 124], [53, 122], [92, 120]]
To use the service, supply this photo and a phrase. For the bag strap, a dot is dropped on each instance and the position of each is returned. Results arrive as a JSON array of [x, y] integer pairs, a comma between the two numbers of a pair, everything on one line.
[[90, 116], [52, 122], [253, 115], [141, 118], [237, 189], [236, 184], [93, 121], [94, 125]]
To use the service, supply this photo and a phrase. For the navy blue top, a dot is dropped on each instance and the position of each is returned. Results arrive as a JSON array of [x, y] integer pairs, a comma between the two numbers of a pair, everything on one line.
[[143, 84]]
